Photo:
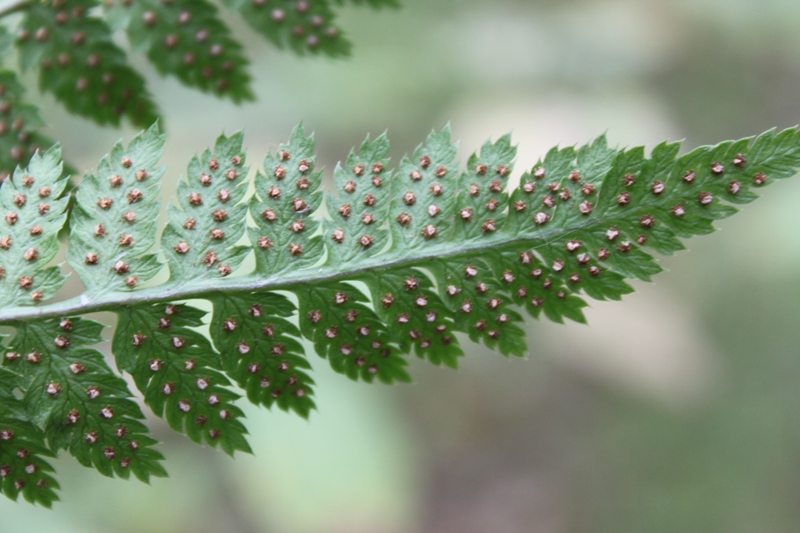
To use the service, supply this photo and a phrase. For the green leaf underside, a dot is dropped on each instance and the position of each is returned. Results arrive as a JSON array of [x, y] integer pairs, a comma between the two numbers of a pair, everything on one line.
[[185, 38], [19, 135], [71, 43], [113, 223], [303, 26], [34, 211], [82, 406], [23, 469], [81, 65], [176, 369], [397, 262]]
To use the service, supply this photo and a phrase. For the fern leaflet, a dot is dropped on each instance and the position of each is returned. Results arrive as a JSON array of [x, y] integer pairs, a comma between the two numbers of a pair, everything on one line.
[[71, 43], [394, 262]]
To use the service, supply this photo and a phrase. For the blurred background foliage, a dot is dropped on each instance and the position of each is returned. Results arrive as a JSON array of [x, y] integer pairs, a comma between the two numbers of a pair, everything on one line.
[[677, 410]]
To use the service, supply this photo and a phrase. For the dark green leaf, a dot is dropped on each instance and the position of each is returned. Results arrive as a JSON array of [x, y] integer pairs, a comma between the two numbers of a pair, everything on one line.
[[81, 65]]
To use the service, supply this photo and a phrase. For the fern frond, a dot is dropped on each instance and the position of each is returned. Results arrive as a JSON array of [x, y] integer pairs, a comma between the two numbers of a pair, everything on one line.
[[303, 26], [19, 127], [210, 216], [394, 262], [69, 390], [262, 350], [376, 4], [175, 367], [23, 467], [71, 43], [34, 211], [113, 223], [19, 135], [186, 39], [81, 65]]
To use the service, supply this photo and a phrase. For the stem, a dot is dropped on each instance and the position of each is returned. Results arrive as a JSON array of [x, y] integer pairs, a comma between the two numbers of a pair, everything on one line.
[[82, 304]]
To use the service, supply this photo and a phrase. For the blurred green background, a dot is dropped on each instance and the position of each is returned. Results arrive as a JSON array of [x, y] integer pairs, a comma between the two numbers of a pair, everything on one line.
[[675, 411]]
